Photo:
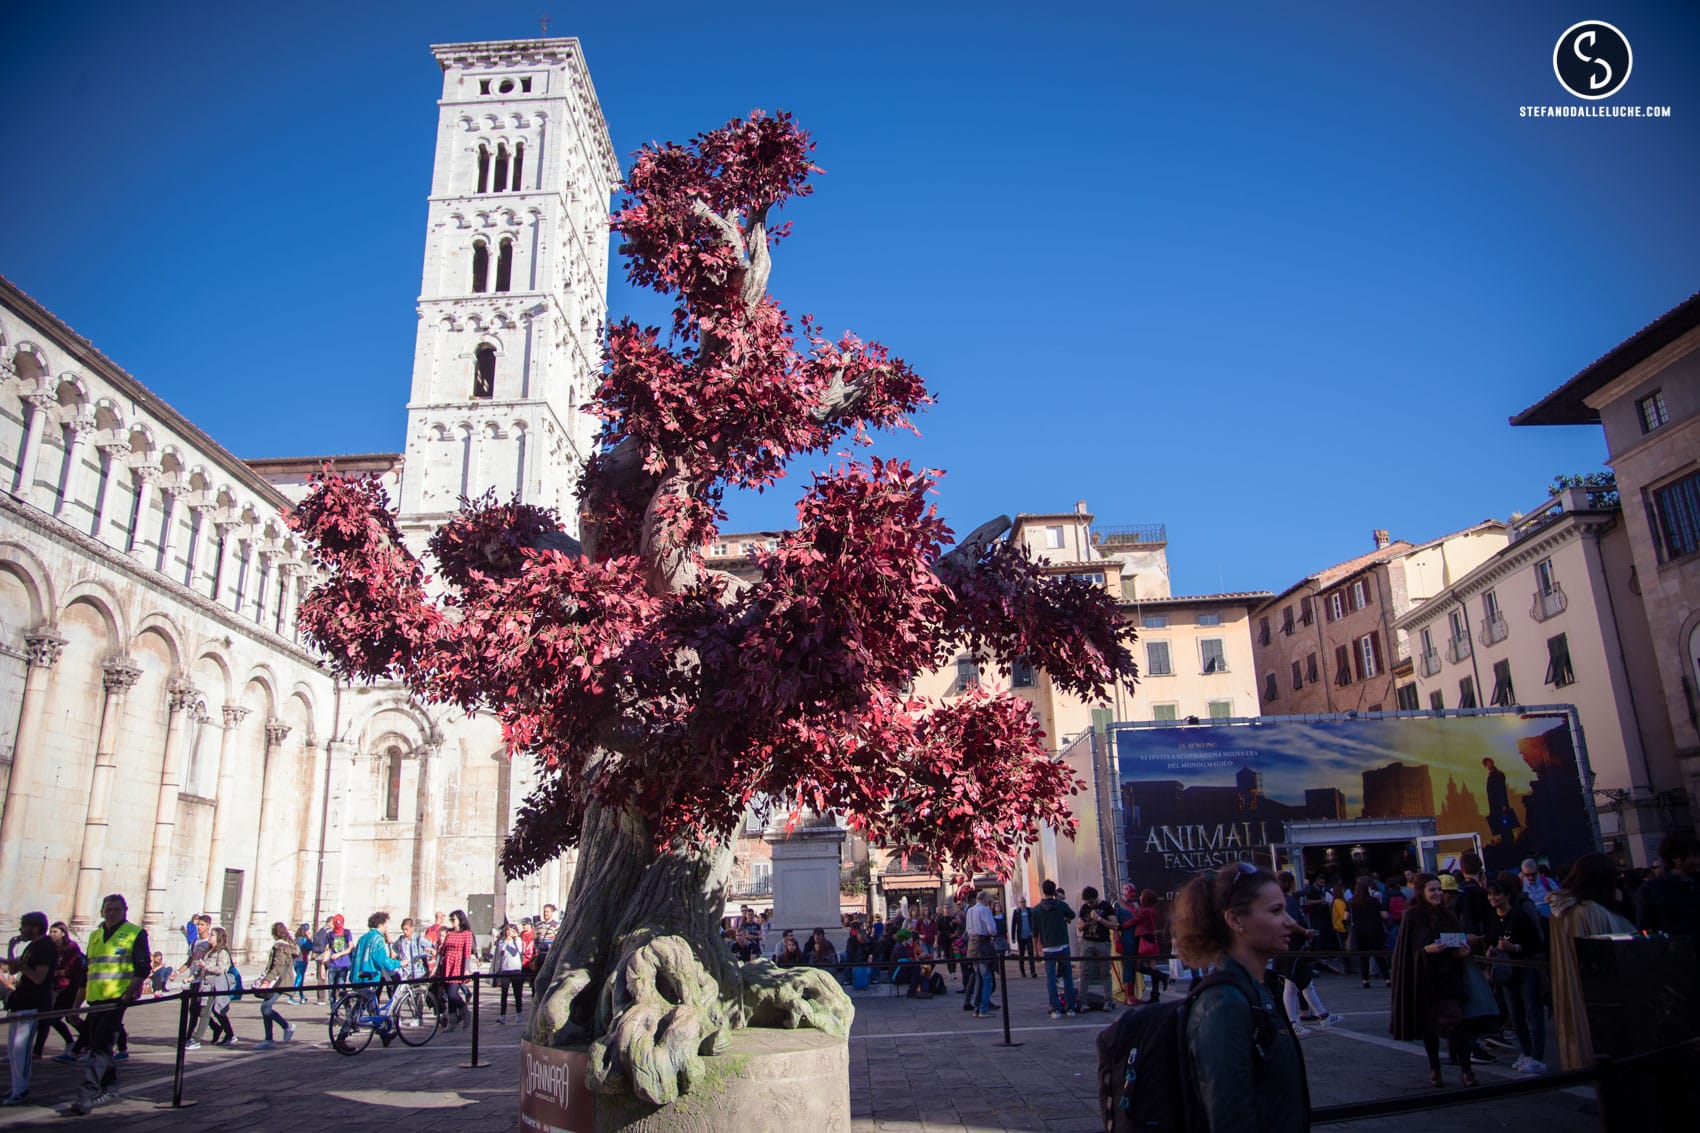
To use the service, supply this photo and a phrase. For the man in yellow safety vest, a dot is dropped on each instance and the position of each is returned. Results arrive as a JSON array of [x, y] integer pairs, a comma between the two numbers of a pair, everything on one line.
[[118, 964]]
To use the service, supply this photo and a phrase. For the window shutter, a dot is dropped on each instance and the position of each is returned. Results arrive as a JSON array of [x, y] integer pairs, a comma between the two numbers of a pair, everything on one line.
[[1375, 650], [1342, 665], [1358, 659]]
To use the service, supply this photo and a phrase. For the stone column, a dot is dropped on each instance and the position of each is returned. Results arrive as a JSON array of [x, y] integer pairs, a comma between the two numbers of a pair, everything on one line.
[[76, 431], [286, 571], [224, 800], [181, 697], [115, 454], [424, 895], [200, 523], [805, 876], [168, 532], [259, 916], [41, 403], [42, 648], [327, 893], [146, 475], [226, 534], [118, 677]]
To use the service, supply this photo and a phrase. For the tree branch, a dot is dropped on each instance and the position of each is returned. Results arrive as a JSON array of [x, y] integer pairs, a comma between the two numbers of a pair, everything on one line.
[[964, 554]]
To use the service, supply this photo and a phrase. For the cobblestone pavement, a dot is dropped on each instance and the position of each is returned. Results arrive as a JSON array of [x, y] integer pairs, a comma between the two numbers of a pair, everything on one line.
[[918, 1066]]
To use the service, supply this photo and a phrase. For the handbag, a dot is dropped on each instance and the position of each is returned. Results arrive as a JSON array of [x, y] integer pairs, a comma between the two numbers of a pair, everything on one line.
[[1148, 946], [1479, 1002]]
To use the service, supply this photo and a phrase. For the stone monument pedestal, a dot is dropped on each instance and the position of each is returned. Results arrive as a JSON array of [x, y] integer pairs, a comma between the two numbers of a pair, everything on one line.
[[768, 1079], [805, 879]]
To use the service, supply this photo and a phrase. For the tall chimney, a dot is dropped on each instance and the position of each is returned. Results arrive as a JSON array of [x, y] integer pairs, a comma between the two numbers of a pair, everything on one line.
[[1079, 507], [1381, 539]]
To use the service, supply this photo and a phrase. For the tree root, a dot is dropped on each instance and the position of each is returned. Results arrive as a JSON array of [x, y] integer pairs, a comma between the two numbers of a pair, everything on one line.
[[795, 997], [551, 1023], [660, 1013]]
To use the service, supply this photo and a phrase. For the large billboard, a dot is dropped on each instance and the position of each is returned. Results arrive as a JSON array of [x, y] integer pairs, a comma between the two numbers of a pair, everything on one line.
[[1197, 797]]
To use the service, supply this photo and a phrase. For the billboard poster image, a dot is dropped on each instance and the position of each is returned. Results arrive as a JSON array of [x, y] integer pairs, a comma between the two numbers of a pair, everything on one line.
[[1194, 798]]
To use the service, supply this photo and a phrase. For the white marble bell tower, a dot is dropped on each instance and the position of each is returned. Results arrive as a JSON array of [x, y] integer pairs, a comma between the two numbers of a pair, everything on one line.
[[514, 290]]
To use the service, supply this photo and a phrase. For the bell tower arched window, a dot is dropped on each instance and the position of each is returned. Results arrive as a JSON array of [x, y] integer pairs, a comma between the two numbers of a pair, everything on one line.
[[480, 266], [483, 169], [519, 163], [484, 373], [504, 264], [392, 784], [501, 184]]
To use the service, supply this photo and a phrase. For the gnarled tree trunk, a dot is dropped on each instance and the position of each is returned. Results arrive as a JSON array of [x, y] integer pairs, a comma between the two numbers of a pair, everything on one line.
[[640, 974]]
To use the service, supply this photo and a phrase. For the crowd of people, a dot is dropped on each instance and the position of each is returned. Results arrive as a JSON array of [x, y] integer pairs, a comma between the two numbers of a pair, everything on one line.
[[87, 985]]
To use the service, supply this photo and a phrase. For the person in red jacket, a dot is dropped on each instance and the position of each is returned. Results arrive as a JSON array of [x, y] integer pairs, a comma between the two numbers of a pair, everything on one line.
[[457, 957]]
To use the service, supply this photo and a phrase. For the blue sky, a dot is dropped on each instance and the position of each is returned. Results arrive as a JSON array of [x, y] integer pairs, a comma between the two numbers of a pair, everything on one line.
[[1274, 275]]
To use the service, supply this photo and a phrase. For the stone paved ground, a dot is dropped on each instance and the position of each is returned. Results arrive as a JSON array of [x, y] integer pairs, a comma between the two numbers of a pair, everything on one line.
[[915, 1066]]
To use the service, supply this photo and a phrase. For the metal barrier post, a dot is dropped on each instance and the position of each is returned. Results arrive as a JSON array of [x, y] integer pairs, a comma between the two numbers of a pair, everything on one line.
[[182, 1040], [473, 1063], [1003, 978]]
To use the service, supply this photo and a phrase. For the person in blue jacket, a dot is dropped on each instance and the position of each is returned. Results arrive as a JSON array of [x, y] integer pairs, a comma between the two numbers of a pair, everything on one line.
[[372, 959]]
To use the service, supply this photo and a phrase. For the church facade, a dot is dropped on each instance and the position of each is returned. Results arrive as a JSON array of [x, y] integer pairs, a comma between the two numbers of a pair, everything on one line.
[[164, 733]]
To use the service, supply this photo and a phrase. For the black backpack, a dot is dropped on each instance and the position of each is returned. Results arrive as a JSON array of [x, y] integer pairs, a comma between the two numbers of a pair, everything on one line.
[[1145, 1076]]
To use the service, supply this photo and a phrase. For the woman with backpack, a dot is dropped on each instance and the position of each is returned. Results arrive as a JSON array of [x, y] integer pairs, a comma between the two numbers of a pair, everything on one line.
[[216, 978], [1245, 1060]]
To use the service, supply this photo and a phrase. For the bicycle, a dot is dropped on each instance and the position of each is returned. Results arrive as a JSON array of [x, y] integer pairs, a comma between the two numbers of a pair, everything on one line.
[[408, 1014]]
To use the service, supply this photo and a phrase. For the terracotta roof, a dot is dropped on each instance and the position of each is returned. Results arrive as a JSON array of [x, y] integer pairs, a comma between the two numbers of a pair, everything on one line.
[[1566, 405], [1237, 597], [1340, 572]]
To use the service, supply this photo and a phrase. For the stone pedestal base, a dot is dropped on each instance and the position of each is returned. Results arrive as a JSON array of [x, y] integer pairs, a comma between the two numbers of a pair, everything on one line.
[[767, 1079]]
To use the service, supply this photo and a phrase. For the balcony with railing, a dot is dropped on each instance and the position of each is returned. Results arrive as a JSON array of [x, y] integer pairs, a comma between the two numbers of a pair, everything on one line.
[[1458, 649], [1130, 535], [1429, 663], [1548, 603], [1494, 629], [1598, 498]]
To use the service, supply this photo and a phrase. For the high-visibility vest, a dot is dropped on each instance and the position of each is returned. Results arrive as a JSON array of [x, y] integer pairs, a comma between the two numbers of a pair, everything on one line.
[[111, 962]]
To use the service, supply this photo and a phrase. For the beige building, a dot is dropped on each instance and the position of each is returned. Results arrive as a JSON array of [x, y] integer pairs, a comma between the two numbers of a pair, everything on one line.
[[1195, 659], [1646, 394], [1554, 619], [1328, 642]]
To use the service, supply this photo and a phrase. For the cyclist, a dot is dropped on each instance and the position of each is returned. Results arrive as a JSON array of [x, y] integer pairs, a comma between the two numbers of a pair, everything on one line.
[[372, 959]]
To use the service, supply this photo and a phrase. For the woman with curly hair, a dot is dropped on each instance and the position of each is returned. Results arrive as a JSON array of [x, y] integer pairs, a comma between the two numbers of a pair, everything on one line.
[[1250, 1074]]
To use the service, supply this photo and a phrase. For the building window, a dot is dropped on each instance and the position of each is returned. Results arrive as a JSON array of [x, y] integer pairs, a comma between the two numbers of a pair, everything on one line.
[[1221, 709], [1210, 619], [1427, 639], [1311, 675], [1502, 696], [1676, 518], [484, 372], [1368, 656], [1559, 671], [504, 264], [1155, 621], [1271, 687], [1298, 676], [1466, 693], [1287, 620], [1306, 617], [1360, 594], [1342, 665], [1652, 411], [525, 85], [392, 784], [1163, 712], [1263, 631], [1545, 580], [1157, 659], [1021, 674], [1053, 538], [484, 167], [1406, 696], [1437, 700], [483, 86], [519, 163], [501, 179], [967, 673], [480, 267], [1490, 605], [1336, 606], [1210, 649]]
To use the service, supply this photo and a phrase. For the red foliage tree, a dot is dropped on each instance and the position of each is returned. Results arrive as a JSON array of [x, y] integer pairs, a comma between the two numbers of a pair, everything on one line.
[[661, 698]]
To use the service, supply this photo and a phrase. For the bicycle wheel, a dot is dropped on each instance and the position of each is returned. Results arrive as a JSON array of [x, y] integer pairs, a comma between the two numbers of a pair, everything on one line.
[[416, 1020], [351, 1024]]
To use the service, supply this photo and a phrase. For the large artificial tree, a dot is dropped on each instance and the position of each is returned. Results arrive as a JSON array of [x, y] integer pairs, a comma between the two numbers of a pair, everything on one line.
[[661, 699]]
